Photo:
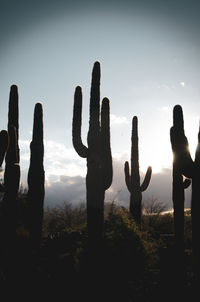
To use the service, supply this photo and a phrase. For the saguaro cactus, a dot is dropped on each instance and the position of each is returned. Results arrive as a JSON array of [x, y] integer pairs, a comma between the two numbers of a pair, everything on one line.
[[133, 179], [98, 153], [178, 197], [191, 169], [36, 179], [179, 185], [13, 115], [12, 173]]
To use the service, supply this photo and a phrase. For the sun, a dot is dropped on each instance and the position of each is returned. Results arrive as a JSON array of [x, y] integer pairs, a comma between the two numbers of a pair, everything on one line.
[[159, 160]]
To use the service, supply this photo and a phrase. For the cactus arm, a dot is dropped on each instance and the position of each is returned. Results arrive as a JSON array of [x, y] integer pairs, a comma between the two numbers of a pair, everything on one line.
[[146, 180], [105, 144], [3, 145], [94, 123], [80, 148], [127, 176]]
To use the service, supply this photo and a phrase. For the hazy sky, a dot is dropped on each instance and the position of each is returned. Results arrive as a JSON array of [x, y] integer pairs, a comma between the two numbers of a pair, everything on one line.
[[150, 61]]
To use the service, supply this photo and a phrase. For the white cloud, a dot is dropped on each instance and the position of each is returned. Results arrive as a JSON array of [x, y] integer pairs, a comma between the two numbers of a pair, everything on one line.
[[58, 159], [182, 84], [65, 175], [118, 120]]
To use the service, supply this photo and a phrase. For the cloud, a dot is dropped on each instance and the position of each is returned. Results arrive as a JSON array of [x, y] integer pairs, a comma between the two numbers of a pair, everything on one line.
[[58, 159], [118, 120], [65, 189], [73, 189], [65, 175], [182, 84]]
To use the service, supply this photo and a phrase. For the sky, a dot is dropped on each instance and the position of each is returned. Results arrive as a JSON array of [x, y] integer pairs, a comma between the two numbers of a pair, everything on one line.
[[150, 61]]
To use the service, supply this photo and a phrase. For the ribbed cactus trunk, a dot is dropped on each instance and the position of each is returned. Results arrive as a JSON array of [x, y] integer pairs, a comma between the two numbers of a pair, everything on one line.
[[98, 153], [191, 169], [36, 179], [133, 178], [11, 175]]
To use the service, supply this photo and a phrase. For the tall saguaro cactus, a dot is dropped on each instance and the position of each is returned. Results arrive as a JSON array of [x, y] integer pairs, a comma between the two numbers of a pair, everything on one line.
[[98, 153], [189, 168], [179, 185], [132, 178], [12, 173], [36, 179]]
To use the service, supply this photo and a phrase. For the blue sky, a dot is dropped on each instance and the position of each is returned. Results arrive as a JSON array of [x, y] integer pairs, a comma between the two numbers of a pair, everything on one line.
[[150, 61]]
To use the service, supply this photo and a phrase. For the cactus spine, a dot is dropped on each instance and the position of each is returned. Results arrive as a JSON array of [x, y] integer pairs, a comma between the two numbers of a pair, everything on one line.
[[191, 169], [133, 180], [98, 153], [36, 179]]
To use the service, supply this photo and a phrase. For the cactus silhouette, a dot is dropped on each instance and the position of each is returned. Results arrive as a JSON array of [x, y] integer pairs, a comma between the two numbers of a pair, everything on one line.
[[11, 175], [98, 153], [189, 168], [178, 196], [179, 185], [36, 179], [3, 148], [132, 178]]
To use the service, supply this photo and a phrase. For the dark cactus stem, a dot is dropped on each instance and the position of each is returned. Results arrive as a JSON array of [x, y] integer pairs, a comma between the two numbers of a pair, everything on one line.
[[11, 187], [179, 185], [191, 169], [98, 153], [13, 114], [3, 145], [133, 178], [4, 141], [11, 176], [36, 180]]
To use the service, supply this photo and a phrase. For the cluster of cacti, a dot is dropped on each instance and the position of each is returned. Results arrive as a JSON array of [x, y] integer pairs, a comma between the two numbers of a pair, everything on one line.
[[132, 178], [99, 171], [98, 153], [191, 169], [10, 150]]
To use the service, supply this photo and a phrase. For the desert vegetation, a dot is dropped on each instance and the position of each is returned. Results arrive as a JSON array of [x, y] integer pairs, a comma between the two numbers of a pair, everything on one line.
[[97, 251]]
